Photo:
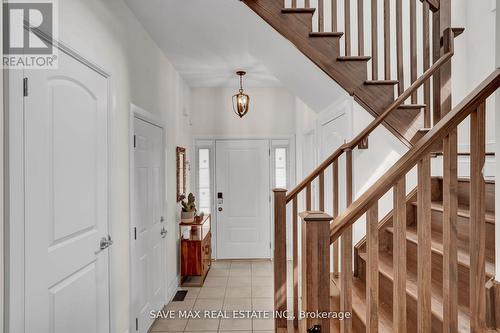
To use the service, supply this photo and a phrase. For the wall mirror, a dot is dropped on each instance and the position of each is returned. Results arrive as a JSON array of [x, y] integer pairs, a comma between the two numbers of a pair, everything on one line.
[[181, 173]]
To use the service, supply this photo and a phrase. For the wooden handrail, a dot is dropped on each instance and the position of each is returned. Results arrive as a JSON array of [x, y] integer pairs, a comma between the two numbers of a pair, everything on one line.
[[423, 147], [374, 124]]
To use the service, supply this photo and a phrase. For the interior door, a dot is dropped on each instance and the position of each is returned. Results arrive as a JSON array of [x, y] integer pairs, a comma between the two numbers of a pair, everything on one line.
[[333, 134], [148, 241], [309, 163], [243, 199], [66, 200]]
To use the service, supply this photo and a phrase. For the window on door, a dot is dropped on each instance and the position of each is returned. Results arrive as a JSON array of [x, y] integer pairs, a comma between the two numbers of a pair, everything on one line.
[[204, 181], [280, 167]]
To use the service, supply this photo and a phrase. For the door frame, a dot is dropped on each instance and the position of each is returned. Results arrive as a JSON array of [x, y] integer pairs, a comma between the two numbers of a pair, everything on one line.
[[139, 113], [209, 141], [14, 245]]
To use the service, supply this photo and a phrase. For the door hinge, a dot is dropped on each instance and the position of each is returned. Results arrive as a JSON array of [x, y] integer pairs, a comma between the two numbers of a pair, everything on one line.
[[135, 142], [270, 245], [269, 151], [137, 324], [25, 86], [135, 233]]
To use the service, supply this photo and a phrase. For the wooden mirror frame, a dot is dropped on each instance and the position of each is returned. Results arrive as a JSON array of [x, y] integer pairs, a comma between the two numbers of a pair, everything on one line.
[[181, 173]]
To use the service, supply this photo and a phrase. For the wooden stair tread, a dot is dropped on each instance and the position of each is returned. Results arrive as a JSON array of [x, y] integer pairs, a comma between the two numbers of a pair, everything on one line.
[[386, 82], [386, 269], [466, 180], [359, 304], [354, 58], [350, 72], [326, 34], [412, 106], [298, 10], [463, 211], [464, 153], [437, 247]]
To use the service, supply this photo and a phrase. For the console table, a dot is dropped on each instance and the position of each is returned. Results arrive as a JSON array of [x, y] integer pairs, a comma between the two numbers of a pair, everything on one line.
[[195, 251]]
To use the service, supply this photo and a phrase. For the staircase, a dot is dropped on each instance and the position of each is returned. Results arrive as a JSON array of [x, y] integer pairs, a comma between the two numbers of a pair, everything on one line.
[[427, 265], [331, 51], [386, 261]]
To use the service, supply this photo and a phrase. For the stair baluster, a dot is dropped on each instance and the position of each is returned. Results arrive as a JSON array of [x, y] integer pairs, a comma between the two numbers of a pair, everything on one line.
[[295, 263], [399, 45], [334, 15], [346, 254], [347, 27], [361, 29], [387, 39], [321, 14], [280, 261], [413, 47], [426, 62], [399, 256], [372, 293], [335, 211], [477, 222], [424, 246], [374, 9], [436, 111]]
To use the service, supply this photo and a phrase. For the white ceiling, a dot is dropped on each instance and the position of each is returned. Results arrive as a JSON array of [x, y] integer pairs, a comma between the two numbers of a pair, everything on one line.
[[206, 40], [209, 40]]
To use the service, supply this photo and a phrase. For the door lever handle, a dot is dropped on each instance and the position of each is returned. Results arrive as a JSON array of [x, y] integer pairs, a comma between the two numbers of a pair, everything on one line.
[[105, 242], [163, 233]]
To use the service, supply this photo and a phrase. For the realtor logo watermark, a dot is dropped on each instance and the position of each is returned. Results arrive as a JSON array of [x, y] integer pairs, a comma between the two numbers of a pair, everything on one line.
[[29, 29]]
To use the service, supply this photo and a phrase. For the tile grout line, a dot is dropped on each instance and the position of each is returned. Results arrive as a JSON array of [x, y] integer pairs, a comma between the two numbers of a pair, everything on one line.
[[224, 297]]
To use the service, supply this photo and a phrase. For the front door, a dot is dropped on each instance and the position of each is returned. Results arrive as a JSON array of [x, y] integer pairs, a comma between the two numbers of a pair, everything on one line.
[[243, 199], [66, 200], [148, 229]]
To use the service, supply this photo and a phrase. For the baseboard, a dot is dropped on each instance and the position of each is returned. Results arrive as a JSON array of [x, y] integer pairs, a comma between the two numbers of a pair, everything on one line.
[[172, 288]]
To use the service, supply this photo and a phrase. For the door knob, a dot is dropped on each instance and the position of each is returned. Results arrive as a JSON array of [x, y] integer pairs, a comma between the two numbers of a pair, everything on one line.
[[105, 242], [163, 233]]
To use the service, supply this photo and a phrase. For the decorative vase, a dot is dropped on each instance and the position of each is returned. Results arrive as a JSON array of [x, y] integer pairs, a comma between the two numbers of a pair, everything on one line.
[[187, 217]]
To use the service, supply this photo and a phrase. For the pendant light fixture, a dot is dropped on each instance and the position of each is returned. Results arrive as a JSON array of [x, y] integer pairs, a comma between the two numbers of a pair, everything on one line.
[[241, 101]]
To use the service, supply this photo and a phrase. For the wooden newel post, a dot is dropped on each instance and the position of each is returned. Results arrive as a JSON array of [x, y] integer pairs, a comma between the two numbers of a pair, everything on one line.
[[280, 259], [316, 267]]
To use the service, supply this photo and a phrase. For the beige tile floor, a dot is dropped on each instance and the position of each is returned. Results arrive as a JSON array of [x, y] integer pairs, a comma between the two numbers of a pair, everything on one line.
[[230, 285]]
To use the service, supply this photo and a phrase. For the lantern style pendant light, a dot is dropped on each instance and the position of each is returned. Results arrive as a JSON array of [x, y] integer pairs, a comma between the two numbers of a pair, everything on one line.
[[241, 101]]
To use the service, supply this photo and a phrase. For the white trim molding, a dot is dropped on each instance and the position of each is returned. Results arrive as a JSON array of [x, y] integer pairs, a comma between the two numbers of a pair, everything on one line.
[[139, 113]]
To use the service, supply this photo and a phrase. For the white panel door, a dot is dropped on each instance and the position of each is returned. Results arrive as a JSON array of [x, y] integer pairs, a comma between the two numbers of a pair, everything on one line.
[[333, 134], [309, 163], [243, 213], [149, 242], [66, 200]]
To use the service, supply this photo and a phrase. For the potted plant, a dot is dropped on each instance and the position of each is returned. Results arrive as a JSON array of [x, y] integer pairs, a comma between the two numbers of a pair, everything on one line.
[[188, 209]]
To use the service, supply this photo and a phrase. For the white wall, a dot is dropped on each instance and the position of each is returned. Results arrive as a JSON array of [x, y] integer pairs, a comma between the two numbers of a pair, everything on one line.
[[107, 33], [497, 152], [384, 150], [478, 45], [271, 113], [1, 182]]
